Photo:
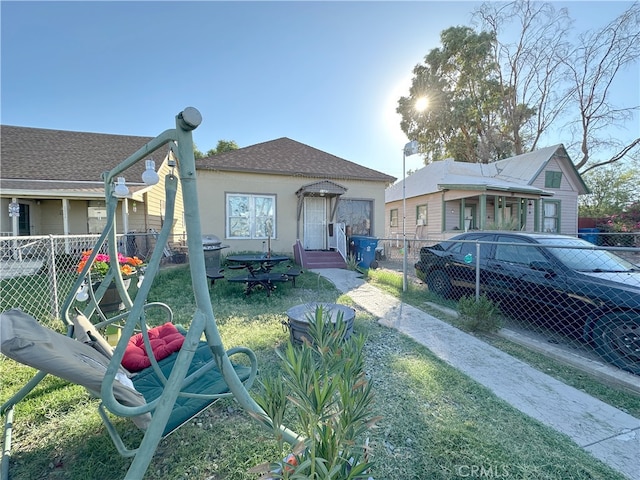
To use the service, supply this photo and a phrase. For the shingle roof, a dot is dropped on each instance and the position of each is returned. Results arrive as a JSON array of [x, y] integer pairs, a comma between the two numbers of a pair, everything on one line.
[[45, 158], [41, 154], [284, 156]]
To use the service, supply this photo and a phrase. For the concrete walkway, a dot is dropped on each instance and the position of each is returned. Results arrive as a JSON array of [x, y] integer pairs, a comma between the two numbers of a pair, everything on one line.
[[607, 433]]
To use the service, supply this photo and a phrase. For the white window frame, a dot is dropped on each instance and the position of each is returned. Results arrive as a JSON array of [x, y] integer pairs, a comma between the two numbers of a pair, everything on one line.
[[393, 219], [253, 218], [555, 217]]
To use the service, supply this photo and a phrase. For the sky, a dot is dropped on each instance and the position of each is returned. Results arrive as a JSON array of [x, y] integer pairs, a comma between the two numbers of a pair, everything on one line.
[[326, 74]]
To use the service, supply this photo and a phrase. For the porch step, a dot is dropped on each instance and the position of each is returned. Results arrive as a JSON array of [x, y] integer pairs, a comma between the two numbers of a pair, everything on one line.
[[322, 259]]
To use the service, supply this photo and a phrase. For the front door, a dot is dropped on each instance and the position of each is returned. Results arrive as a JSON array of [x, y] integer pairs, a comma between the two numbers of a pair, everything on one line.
[[469, 214], [24, 220], [315, 223]]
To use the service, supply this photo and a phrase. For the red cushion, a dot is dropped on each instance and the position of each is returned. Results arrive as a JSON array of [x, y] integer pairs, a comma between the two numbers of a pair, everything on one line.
[[164, 340]]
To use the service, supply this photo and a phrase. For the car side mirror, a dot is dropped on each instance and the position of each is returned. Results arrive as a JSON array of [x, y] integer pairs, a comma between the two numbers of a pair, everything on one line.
[[542, 267]]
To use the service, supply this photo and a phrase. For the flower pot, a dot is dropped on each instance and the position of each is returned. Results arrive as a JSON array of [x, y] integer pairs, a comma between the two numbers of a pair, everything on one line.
[[111, 301]]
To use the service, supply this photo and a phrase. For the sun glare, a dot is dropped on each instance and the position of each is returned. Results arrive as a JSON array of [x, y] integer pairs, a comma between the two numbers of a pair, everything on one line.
[[421, 104]]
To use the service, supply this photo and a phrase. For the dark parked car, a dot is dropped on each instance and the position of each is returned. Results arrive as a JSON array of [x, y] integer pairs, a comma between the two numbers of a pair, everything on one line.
[[590, 293]]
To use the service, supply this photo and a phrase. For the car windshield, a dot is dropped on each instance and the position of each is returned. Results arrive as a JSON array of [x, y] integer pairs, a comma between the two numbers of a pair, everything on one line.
[[585, 260]]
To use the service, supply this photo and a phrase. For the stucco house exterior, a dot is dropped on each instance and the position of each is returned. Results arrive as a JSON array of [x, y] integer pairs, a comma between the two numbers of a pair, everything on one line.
[[535, 192], [295, 191], [278, 193]]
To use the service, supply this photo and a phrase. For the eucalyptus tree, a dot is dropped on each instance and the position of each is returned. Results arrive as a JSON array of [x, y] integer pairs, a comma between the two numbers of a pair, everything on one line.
[[464, 120]]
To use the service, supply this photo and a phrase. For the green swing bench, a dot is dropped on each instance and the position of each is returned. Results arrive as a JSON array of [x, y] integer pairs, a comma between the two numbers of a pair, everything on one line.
[[192, 371]]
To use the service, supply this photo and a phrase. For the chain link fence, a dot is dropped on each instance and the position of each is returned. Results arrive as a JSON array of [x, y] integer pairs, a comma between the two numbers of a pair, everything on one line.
[[561, 294], [579, 295], [38, 272]]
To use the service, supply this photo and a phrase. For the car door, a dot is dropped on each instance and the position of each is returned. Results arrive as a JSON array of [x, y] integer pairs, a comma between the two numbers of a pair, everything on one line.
[[461, 263], [523, 279]]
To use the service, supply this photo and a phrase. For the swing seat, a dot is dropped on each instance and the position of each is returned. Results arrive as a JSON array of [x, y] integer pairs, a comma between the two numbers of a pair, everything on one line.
[[26, 341], [185, 408]]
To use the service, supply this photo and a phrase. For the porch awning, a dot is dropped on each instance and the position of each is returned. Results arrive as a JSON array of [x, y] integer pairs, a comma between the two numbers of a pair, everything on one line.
[[501, 187], [324, 188]]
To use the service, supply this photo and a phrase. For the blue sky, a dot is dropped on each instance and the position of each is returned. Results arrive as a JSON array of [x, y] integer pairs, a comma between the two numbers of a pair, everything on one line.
[[327, 74]]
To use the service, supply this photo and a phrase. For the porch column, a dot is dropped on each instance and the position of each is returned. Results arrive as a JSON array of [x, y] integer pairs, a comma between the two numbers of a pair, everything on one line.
[[483, 211], [65, 224], [443, 215], [536, 215], [125, 215], [462, 222], [15, 225], [519, 213], [499, 212]]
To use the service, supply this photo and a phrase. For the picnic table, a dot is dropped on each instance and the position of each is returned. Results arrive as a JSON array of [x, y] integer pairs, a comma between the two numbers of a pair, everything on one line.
[[258, 271]]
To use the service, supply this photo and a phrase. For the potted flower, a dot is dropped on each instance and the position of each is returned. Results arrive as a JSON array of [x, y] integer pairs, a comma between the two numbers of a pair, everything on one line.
[[129, 266]]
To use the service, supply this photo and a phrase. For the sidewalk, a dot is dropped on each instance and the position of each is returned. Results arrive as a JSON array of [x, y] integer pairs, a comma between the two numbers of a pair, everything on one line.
[[607, 433]]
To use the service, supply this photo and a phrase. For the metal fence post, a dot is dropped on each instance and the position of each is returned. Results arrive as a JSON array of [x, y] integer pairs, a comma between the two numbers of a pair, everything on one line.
[[477, 271], [53, 278]]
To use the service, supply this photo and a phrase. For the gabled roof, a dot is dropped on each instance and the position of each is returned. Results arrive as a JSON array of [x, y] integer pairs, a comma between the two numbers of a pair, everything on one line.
[[284, 156], [514, 174]]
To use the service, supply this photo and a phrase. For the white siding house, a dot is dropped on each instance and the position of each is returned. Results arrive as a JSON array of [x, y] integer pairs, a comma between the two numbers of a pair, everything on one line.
[[536, 192]]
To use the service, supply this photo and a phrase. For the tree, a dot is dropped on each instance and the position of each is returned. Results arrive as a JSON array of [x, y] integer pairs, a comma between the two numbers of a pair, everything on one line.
[[500, 94], [223, 146], [529, 66], [464, 120], [593, 66], [612, 190]]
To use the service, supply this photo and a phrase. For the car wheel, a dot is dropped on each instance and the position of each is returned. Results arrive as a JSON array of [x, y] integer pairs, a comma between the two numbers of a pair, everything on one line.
[[439, 283], [617, 340]]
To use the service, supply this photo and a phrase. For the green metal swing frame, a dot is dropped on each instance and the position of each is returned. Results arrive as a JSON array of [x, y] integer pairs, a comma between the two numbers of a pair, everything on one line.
[[203, 324]]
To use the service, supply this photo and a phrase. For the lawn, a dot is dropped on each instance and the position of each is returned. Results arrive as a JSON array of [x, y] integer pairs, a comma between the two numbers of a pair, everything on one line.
[[436, 422]]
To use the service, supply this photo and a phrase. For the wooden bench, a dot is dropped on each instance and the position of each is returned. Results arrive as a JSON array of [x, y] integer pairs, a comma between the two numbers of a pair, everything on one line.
[[293, 273], [266, 280], [215, 275]]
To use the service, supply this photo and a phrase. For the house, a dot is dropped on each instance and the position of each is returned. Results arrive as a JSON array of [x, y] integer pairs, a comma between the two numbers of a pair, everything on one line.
[[536, 192], [275, 194], [54, 179], [283, 193]]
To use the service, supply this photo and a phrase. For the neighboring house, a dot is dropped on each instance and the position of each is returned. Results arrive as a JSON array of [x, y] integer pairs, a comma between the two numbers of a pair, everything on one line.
[[54, 177], [535, 192], [293, 190], [270, 194]]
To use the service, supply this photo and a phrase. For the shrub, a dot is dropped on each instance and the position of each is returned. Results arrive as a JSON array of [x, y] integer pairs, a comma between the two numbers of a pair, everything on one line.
[[481, 315], [324, 383], [352, 262]]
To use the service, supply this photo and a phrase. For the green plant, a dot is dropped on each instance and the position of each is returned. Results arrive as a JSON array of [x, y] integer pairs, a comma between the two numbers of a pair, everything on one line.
[[481, 315], [504, 225], [331, 399], [352, 262]]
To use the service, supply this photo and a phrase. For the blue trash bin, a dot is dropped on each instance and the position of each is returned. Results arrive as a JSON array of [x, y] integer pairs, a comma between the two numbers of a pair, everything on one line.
[[365, 250], [589, 234]]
